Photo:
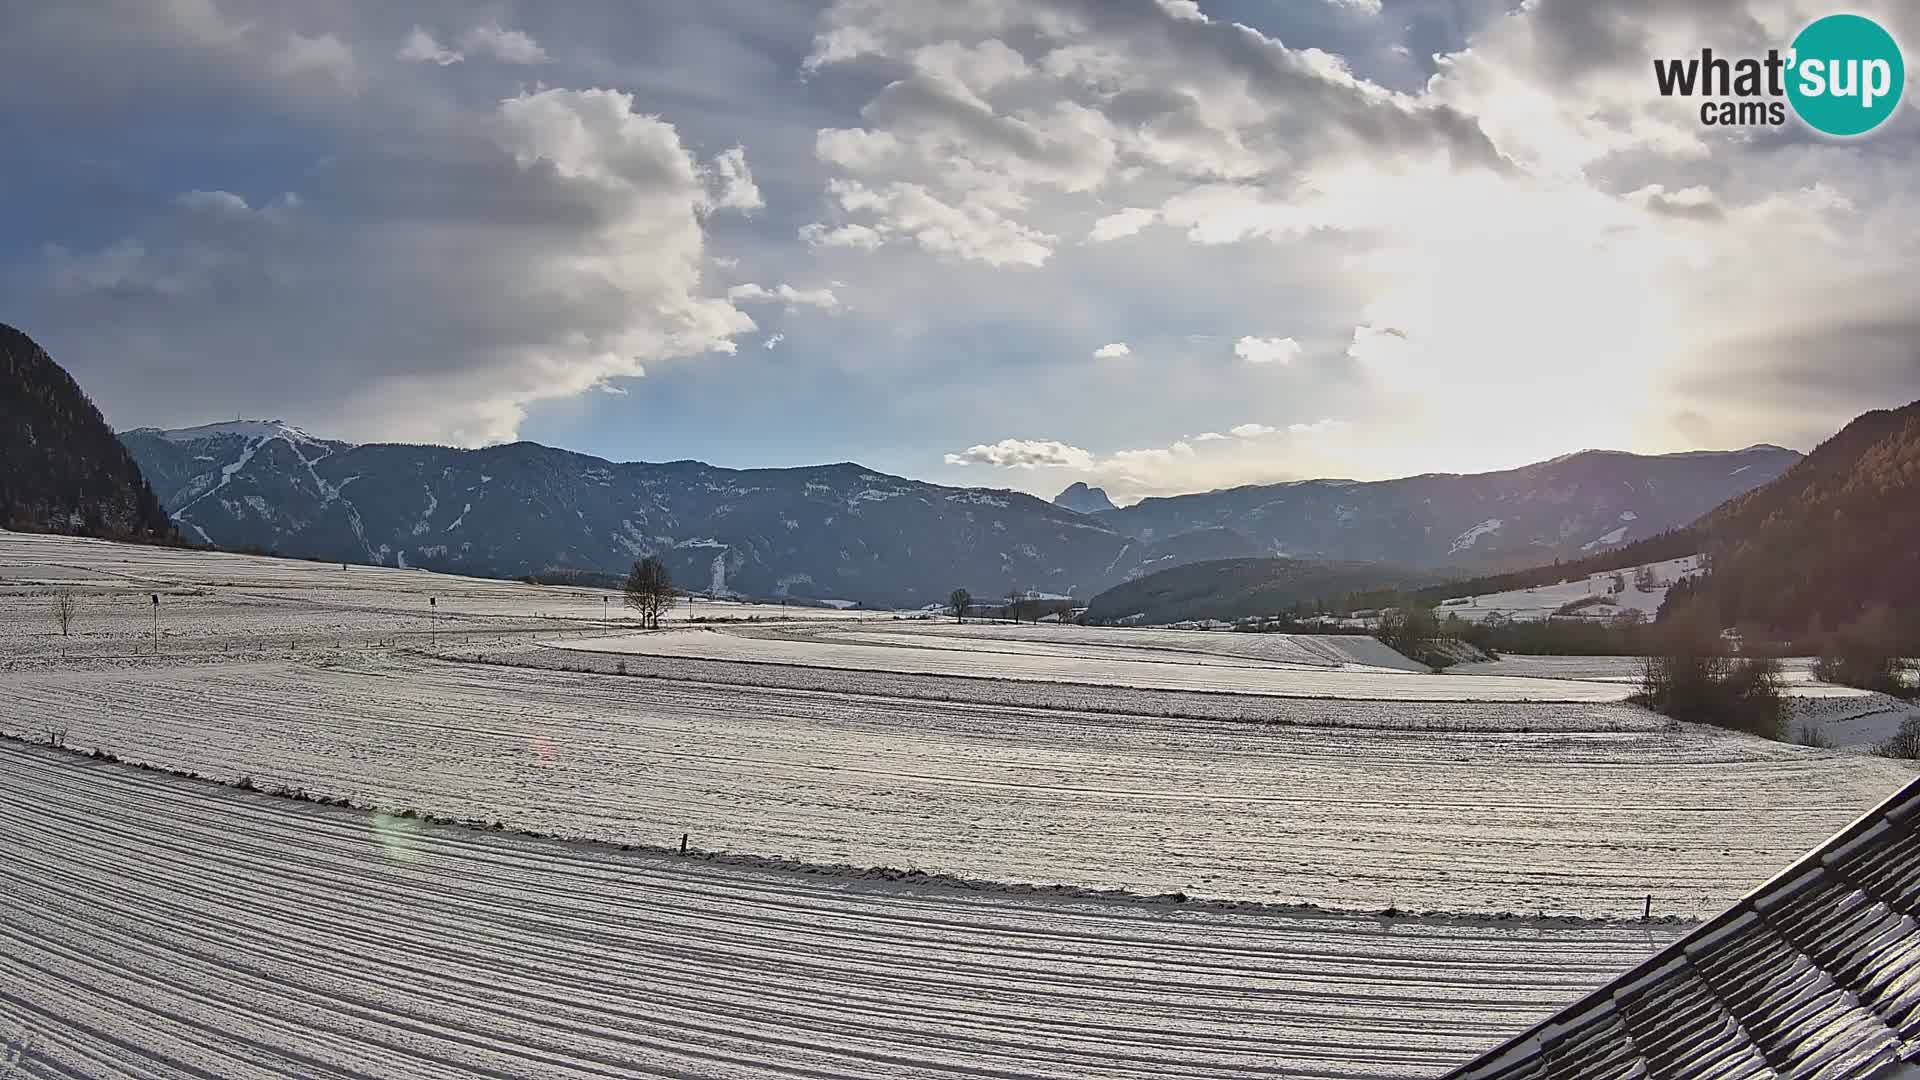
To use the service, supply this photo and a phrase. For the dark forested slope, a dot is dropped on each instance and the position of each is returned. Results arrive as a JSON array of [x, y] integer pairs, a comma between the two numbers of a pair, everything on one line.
[[61, 467]]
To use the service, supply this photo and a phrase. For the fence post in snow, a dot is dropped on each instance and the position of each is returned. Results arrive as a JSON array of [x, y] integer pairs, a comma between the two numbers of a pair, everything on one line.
[[683, 843], [1648, 914]]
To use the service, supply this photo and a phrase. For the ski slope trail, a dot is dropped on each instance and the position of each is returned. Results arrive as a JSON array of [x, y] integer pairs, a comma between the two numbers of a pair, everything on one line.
[[162, 928]]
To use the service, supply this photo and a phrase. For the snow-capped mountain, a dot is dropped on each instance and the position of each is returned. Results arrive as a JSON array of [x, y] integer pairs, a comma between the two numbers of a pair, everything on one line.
[[829, 532], [845, 532]]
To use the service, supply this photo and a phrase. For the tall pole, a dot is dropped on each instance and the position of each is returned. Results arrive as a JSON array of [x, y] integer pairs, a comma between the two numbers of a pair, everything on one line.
[[606, 615], [433, 621], [156, 624]]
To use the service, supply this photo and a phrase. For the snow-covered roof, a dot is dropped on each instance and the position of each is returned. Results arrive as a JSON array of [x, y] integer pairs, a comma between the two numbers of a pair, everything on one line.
[[1815, 973]]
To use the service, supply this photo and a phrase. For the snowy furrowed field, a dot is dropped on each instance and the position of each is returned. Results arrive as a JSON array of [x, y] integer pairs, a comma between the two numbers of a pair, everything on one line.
[[1579, 814], [1073, 660], [917, 849], [163, 927]]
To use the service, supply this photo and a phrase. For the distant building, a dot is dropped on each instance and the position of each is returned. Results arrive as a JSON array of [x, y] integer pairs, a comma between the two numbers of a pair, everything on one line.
[[1814, 974]]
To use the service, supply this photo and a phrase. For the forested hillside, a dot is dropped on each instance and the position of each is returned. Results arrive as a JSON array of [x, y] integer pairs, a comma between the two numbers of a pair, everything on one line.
[[1836, 536], [61, 468], [1229, 589]]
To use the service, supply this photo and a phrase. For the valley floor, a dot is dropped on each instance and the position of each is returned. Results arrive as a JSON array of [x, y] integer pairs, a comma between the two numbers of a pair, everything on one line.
[[163, 926]]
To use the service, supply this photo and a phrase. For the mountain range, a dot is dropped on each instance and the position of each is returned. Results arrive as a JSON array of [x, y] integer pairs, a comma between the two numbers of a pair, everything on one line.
[[1571, 506], [846, 532], [1820, 555]]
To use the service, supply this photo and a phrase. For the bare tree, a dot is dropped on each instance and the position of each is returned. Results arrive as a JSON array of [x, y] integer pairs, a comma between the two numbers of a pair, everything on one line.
[[63, 609], [649, 591], [1014, 596], [957, 602]]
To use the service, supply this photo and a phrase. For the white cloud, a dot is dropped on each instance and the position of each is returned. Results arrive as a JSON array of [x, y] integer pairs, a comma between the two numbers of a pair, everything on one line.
[[732, 183], [223, 204], [1008, 111], [794, 299], [1113, 351], [423, 48], [1256, 350], [1325, 426], [773, 341], [323, 54], [506, 46], [1121, 224], [1024, 454], [1251, 453], [972, 229], [597, 276], [858, 237], [856, 149]]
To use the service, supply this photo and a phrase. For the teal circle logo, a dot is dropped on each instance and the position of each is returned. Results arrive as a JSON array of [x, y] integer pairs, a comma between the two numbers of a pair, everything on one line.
[[1846, 75]]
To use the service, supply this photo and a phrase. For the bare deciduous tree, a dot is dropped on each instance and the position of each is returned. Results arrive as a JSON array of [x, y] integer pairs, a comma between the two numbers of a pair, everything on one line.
[[649, 591], [957, 602], [64, 606]]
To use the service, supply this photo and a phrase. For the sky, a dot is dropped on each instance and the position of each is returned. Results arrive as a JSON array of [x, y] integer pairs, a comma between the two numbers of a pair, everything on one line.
[[1154, 245]]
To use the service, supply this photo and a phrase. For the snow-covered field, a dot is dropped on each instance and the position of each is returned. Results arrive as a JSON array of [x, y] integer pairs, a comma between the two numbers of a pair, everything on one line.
[[1382, 805], [1176, 646], [1538, 603], [1097, 657], [1843, 715], [159, 927], [1795, 672], [220, 603]]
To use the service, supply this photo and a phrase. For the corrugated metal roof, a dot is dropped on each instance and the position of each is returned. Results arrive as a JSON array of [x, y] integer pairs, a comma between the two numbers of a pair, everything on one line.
[[1814, 974]]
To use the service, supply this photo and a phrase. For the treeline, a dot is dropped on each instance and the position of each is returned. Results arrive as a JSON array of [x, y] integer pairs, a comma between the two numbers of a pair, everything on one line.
[[1557, 637]]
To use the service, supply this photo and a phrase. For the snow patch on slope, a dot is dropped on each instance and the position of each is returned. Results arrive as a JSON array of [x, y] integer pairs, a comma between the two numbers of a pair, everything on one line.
[[1608, 540], [1472, 536]]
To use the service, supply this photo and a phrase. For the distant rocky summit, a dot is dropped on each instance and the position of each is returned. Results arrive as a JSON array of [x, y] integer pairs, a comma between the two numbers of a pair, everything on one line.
[[61, 468], [1083, 499]]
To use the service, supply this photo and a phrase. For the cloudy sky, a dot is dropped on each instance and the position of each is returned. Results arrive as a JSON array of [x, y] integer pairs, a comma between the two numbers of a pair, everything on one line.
[[1159, 245]]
